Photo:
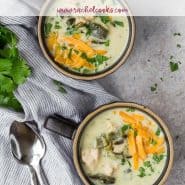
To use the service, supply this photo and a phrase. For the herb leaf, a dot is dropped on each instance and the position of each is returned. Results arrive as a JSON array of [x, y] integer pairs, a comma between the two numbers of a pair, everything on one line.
[[148, 164], [158, 158], [177, 34], [130, 109], [60, 87], [178, 45], [158, 132], [142, 172], [105, 19], [13, 69], [153, 88], [107, 43], [47, 28], [97, 60], [125, 128], [174, 66], [117, 23]]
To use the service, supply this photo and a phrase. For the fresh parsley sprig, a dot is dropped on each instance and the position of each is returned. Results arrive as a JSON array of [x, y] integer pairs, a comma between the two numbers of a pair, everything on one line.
[[13, 69]]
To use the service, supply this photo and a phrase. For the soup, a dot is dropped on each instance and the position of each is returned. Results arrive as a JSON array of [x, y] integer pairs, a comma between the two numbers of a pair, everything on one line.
[[86, 45], [123, 146]]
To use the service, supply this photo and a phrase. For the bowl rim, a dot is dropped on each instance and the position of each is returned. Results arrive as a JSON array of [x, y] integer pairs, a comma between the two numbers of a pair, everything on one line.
[[119, 62], [169, 164]]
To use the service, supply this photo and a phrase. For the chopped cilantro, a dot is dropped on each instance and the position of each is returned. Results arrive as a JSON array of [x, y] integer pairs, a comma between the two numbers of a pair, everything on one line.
[[178, 45], [148, 164], [117, 23], [158, 158], [158, 132], [174, 66], [105, 19], [63, 47], [107, 43], [71, 30], [177, 34], [129, 163], [135, 132], [142, 172], [153, 88], [97, 60], [153, 142], [161, 79], [57, 26], [86, 71], [60, 87], [123, 161], [47, 28], [70, 53], [125, 128], [13, 69], [130, 109]]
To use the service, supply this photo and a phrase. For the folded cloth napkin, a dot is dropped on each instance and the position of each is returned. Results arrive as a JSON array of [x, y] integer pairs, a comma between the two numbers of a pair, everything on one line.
[[40, 97]]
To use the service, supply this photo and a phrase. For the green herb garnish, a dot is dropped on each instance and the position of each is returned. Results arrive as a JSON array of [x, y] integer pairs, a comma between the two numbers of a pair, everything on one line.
[[125, 128], [158, 132], [60, 87], [105, 19], [142, 172], [158, 158], [123, 161], [13, 69], [107, 43], [47, 28], [177, 34], [97, 60], [135, 132], [57, 26], [117, 23], [153, 142], [148, 164], [71, 30], [130, 109], [174, 66], [70, 53], [63, 47], [178, 45], [153, 88]]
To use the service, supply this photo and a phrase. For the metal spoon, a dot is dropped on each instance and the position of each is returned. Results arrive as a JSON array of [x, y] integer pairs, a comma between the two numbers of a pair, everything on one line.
[[28, 148]]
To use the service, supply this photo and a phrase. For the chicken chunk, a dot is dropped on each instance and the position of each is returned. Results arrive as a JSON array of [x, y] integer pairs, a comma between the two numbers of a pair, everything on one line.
[[90, 157], [111, 127], [109, 169]]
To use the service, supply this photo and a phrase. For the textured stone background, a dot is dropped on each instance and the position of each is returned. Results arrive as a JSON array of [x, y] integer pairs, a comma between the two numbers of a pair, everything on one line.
[[148, 62]]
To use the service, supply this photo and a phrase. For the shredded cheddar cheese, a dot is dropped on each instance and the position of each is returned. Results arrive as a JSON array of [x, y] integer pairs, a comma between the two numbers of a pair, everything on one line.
[[144, 142]]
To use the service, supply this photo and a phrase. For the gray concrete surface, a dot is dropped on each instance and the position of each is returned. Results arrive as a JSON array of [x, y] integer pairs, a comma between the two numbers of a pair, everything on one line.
[[148, 62]]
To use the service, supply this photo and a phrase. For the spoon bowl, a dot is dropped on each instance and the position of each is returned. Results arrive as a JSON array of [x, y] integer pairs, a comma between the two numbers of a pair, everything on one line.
[[28, 148]]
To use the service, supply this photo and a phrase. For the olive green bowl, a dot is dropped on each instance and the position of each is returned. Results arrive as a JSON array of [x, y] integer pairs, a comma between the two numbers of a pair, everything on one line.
[[122, 59]]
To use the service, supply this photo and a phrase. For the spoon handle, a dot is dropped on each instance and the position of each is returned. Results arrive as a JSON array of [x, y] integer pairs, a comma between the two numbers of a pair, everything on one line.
[[34, 180], [38, 176]]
